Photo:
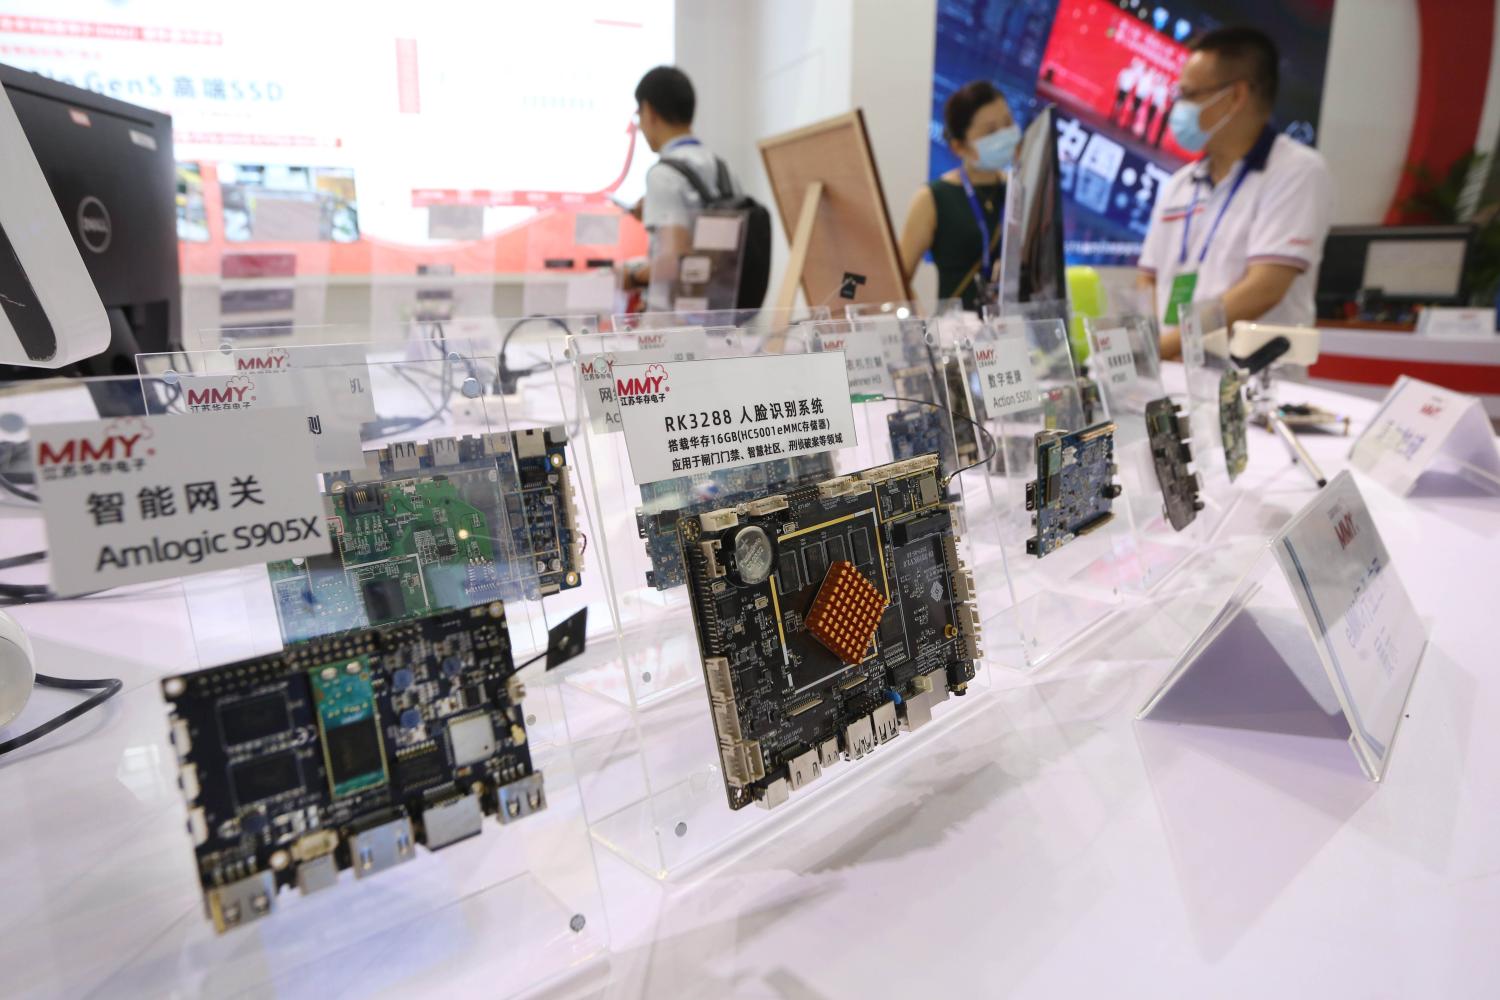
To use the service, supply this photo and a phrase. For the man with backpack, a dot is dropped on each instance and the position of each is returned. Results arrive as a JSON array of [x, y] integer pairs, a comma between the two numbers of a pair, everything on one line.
[[686, 179]]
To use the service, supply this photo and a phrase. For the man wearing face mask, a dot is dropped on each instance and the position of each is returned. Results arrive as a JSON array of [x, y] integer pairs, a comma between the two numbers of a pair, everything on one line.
[[1246, 222], [957, 217]]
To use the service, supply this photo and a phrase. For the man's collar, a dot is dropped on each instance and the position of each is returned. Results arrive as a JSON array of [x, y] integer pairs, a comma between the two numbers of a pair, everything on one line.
[[1256, 159], [681, 140]]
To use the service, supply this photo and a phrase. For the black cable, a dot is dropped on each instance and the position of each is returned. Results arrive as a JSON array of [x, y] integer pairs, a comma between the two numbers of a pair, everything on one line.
[[24, 559], [506, 378], [988, 438], [16, 491], [107, 688]]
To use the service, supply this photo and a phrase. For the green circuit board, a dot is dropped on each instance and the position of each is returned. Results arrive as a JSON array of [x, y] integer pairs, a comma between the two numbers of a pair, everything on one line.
[[403, 549]]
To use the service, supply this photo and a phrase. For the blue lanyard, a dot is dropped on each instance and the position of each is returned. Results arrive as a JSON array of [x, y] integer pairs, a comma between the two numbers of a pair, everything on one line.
[[679, 143], [1187, 222], [984, 226]]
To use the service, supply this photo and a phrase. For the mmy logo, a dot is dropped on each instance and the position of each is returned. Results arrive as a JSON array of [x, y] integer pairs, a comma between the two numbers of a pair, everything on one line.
[[652, 382], [273, 361], [1432, 408], [118, 440], [238, 389], [1344, 526], [984, 355]]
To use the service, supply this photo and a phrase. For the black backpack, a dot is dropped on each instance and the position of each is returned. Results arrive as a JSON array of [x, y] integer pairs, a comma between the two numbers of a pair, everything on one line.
[[755, 261]]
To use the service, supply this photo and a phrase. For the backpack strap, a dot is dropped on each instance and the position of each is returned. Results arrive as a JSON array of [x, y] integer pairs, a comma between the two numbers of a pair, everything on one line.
[[691, 176], [726, 183]]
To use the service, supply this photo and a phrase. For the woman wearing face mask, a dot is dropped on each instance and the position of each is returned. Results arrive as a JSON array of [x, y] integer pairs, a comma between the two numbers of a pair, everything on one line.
[[958, 216]]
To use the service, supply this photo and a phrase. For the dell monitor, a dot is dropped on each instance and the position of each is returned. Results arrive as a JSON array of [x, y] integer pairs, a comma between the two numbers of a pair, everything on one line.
[[110, 168]]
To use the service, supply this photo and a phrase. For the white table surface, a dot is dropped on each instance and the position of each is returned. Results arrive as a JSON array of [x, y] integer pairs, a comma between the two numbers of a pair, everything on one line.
[[1048, 845]]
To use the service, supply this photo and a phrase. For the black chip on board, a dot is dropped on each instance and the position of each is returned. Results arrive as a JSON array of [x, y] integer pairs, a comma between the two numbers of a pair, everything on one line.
[[420, 769], [383, 599], [353, 751], [254, 718], [265, 777]]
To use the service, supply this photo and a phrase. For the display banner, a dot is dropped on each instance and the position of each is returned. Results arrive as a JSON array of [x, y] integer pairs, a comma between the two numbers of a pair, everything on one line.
[[136, 499], [690, 416], [1330, 570], [1417, 426], [1114, 362], [596, 371]]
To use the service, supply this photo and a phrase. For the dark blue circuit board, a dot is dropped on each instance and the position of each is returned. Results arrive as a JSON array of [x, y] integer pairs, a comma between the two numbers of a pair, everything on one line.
[[663, 503], [1074, 486]]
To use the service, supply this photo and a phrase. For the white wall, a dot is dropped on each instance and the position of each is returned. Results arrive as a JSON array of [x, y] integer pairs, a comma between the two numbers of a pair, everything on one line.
[[1369, 96], [765, 67]]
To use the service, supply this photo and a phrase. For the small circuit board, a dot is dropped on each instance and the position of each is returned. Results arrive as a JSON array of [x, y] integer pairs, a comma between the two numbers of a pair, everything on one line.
[[1172, 453], [347, 752], [830, 618], [925, 428], [448, 523], [1232, 422], [1075, 486], [666, 502]]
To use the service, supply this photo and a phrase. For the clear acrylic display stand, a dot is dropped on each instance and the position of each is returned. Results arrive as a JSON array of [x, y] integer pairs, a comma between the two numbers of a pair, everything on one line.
[[653, 785], [1425, 432], [1123, 355], [1034, 607], [1216, 397], [1319, 638], [531, 885], [527, 891], [756, 322]]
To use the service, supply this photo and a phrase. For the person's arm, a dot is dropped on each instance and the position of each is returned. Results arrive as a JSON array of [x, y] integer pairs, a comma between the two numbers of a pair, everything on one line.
[[1258, 292], [918, 231]]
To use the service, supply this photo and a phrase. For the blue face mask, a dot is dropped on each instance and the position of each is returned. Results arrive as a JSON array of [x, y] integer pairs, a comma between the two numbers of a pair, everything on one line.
[[997, 150], [1190, 135]]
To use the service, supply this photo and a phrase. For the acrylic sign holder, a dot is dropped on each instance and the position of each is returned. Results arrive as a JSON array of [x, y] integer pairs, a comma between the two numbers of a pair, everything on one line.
[[530, 885], [1318, 639], [1216, 401], [1123, 359], [649, 754], [1034, 607]]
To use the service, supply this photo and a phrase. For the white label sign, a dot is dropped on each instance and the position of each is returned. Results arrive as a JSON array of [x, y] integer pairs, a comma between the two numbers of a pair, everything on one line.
[[691, 416], [330, 385], [150, 498], [596, 371], [864, 360], [1364, 621], [1113, 358], [1457, 324], [1004, 367], [333, 401], [1413, 426]]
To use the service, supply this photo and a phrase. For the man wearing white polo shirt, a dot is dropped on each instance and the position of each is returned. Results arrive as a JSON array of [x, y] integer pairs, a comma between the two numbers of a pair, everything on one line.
[[1246, 222]]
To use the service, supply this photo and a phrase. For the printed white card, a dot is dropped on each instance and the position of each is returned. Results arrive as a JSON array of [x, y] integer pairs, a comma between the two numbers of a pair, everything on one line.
[[691, 416], [1357, 610], [864, 353], [1114, 361], [1416, 424], [134, 499], [595, 371], [1004, 366]]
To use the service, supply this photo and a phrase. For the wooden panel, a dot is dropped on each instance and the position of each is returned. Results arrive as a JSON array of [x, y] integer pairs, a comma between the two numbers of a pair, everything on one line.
[[852, 231]]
